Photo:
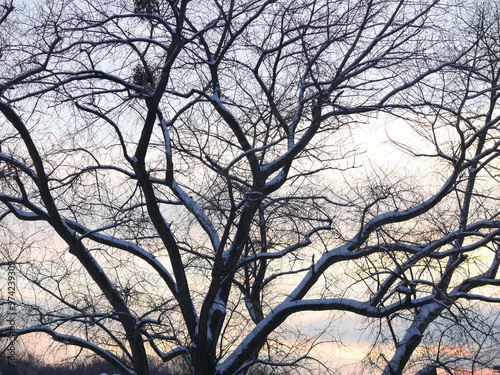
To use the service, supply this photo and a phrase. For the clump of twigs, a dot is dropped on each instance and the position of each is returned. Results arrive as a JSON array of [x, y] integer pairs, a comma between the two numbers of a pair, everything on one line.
[[146, 6]]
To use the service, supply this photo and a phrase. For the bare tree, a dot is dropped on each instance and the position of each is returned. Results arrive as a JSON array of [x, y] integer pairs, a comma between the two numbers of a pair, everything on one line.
[[184, 167], [470, 109]]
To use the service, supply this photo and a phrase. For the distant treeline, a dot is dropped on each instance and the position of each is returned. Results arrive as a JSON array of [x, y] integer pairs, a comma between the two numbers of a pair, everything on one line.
[[94, 367]]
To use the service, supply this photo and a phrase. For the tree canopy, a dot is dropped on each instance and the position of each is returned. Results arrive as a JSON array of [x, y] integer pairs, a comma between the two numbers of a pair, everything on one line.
[[179, 179]]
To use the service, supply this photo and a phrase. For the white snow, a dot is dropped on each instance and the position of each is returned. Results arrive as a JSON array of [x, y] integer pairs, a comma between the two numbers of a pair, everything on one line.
[[198, 213]]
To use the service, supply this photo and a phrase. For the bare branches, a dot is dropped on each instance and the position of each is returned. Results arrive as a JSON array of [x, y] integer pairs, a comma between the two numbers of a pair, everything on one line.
[[194, 176]]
